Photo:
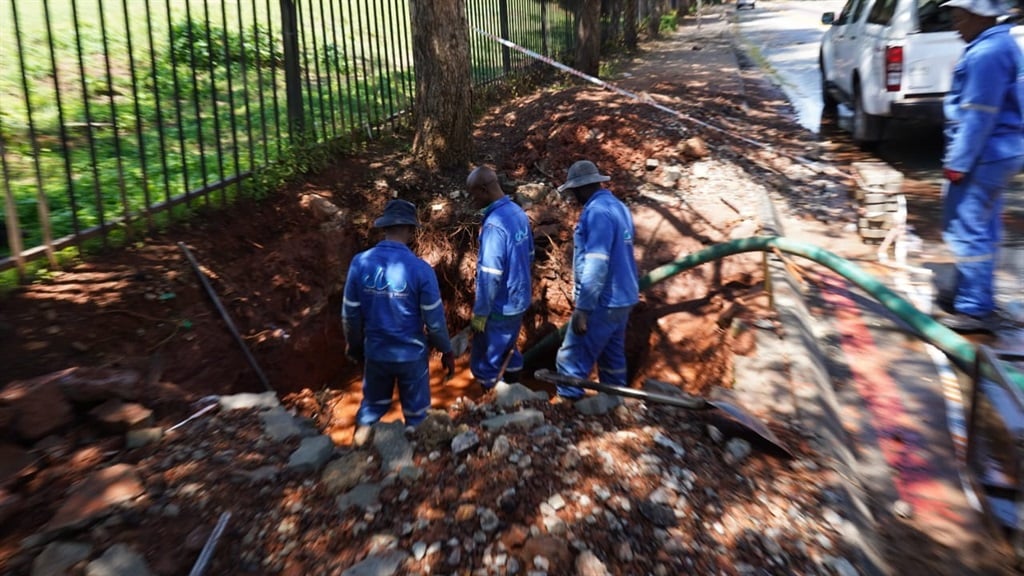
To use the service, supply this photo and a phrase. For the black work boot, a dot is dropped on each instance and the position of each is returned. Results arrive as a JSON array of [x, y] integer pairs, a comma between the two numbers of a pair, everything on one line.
[[960, 322], [511, 376]]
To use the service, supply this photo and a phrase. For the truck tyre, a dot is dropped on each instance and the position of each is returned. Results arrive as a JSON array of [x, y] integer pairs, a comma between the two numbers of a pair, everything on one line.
[[827, 99], [867, 128]]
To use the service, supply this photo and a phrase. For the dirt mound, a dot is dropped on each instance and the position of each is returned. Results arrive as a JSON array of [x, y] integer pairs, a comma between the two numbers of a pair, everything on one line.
[[278, 266]]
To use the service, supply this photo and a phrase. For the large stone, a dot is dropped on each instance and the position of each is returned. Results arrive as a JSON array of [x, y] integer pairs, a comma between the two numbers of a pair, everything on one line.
[[97, 496], [278, 424], [311, 454], [10, 505], [58, 557], [345, 472], [393, 447], [117, 416], [39, 407], [118, 560], [385, 564], [14, 460], [249, 400], [523, 419], [510, 395], [94, 385]]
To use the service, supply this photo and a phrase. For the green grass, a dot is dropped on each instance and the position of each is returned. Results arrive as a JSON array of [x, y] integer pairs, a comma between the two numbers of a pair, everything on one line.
[[199, 97]]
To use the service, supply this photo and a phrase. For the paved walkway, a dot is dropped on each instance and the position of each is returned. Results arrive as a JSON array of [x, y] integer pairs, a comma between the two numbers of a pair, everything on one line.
[[870, 391]]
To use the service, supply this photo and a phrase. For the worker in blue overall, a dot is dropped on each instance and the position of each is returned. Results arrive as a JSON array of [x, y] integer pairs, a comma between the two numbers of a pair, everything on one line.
[[392, 316], [984, 150], [605, 283], [503, 280]]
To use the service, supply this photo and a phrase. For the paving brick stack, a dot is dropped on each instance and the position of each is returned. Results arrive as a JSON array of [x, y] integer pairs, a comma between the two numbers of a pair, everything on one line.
[[878, 187]]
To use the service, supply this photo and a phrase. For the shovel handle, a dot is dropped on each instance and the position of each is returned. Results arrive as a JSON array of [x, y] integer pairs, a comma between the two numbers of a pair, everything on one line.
[[688, 402]]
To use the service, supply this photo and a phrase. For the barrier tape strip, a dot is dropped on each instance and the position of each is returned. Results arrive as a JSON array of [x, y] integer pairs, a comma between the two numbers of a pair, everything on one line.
[[646, 99]]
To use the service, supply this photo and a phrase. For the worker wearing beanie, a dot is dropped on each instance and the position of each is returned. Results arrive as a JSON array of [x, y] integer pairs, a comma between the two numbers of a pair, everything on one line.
[[503, 280], [984, 150]]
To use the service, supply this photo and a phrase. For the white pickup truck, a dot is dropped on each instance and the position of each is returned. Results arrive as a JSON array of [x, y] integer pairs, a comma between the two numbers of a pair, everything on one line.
[[889, 59]]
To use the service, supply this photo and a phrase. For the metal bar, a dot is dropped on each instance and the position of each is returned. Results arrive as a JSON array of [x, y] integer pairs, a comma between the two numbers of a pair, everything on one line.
[[177, 98], [292, 79], [122, 187], [401, 28], [303, 52], [71, 239], [259, 78], [358, 117], [11, 213], [545, 48], [213, 102], [157, 101], [138, 112], [65, 149], [409, 65], [327, 73], [195, 93], [370, 108], [211, 545], [245, 92], [226, 317], [506, 52], [273, 71], [316, 68], [384, 71], [97, 195], [42, 202], [231, 97], [337, 67]]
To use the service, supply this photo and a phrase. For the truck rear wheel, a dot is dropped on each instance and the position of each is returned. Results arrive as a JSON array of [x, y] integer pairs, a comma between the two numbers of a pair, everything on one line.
[[867, 128], [827, 99]]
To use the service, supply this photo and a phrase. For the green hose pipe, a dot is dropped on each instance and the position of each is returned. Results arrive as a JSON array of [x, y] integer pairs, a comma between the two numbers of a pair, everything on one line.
[[958, 349]]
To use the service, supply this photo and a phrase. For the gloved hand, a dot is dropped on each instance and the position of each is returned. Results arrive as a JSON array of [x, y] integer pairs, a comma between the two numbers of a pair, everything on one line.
[[578, 323], [952, 175], [448, 361], [354, 353], [478, 323]]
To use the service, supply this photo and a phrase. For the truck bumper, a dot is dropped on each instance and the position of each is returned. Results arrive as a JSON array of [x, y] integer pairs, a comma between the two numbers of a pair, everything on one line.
[[926, 108]]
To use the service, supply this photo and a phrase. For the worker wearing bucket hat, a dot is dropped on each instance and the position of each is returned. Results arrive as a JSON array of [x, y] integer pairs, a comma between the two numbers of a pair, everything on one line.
[[984, 150], [605, 282], [503, 280], [390, 296]]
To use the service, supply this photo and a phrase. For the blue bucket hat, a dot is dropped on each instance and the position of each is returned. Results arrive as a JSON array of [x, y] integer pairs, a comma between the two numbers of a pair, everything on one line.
[[582, 173], [398, 213]]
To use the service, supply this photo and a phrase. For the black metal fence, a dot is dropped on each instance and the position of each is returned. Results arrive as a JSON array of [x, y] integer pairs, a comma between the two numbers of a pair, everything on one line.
[[115, 113]]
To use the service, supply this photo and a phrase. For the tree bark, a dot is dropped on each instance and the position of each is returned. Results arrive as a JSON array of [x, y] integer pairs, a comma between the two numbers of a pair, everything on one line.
[[629, 31], [443, 108], [653, 18], [588, 37]]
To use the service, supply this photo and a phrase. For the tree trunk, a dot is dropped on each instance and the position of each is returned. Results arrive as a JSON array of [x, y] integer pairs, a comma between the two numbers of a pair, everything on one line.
[[588, 37], [443, 109], [653, 18], [629, 31]]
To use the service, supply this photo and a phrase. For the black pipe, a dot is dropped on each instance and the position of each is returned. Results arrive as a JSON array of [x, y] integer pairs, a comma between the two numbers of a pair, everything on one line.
[[227, 319]]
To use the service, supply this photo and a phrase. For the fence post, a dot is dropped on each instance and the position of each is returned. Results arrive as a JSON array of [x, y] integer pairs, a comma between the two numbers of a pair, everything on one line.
[[544, 27], [506, 52], [292, 76]]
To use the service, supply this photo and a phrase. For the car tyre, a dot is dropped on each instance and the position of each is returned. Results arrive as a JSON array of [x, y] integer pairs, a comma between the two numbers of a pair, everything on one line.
[[829, 101], [867, 128]]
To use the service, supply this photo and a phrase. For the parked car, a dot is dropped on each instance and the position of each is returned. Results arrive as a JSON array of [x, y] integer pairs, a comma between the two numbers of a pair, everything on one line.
[[741, 4], [889, 59]]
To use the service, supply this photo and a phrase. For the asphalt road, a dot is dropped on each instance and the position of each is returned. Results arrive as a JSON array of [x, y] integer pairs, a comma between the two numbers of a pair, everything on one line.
[[784, 36]]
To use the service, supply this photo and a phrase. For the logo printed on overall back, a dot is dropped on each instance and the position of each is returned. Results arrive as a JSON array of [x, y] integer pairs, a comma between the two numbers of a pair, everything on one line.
[[379, 282]]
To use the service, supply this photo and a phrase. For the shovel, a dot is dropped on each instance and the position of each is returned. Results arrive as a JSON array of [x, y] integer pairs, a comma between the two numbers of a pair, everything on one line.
[[745, 420], [461, 341]]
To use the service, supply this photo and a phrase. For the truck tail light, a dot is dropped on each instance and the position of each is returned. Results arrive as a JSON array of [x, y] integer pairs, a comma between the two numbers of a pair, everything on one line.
[[893, 68]]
